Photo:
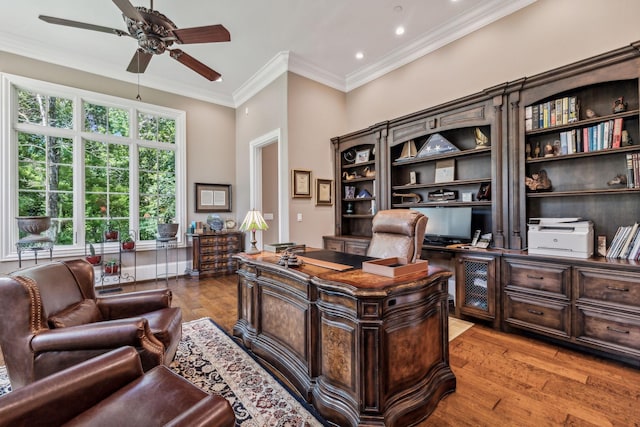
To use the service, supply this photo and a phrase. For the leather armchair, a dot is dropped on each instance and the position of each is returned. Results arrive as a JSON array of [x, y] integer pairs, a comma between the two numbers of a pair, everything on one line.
[[397, 233], [51, 319], [113, 390]]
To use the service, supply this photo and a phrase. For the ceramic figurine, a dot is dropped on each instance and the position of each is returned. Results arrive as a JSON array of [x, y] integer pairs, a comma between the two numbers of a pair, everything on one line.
[[619, 105], [538, 182]]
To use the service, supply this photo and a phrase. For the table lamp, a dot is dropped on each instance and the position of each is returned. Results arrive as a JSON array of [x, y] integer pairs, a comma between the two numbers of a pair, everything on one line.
[[253, 221]]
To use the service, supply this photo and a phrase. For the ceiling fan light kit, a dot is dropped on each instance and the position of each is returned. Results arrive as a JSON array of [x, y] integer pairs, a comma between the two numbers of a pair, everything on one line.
[[155, 33]]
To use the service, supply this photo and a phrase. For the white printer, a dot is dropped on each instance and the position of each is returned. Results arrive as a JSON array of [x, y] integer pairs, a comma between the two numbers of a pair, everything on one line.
[[568, 237]]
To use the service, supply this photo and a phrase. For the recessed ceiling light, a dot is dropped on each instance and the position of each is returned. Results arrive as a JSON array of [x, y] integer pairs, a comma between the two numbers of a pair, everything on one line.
[[399, 30], [359, 55]]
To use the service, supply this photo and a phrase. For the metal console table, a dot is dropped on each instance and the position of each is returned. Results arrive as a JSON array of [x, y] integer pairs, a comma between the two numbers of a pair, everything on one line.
[[34, 245]]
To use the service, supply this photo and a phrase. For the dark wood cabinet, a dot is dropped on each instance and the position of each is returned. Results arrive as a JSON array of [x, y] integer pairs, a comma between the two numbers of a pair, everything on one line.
[[477, 277], [593, 304], [537, 296], [607, 310], [578, 151], [213, 253]]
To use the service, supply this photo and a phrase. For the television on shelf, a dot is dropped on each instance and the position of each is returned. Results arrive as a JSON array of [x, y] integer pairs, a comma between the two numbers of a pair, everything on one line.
[[447, 225]]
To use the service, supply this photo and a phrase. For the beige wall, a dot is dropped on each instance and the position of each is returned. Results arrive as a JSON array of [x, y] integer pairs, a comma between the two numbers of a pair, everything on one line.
[[540, 37], [316, 113], [263, 113]]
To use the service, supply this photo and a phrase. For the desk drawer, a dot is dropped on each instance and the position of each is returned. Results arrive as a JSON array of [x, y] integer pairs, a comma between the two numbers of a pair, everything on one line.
[[615, 287], [549, 317], [543, 278]]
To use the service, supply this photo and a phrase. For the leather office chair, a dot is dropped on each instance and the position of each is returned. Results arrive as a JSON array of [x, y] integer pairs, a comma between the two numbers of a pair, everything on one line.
[[112, 390], [397, 233], [50, 319]]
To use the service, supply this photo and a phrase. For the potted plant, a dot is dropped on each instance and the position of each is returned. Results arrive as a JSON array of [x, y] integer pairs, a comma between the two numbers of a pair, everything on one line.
[[167, 229], [111, 267], [110, 235], [93, 258], [127, 242]]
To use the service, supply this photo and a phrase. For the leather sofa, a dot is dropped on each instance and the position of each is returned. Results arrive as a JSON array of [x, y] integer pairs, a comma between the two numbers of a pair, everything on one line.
[[51, 319], [397, 233], [113, 390]]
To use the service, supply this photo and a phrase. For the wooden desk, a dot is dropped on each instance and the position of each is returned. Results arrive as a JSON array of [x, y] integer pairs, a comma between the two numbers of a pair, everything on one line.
[[363, 349]]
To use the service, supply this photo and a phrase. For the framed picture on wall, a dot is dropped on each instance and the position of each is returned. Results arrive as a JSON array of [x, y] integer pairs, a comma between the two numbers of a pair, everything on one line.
[[324, 192], [300, 184], [213, 197]]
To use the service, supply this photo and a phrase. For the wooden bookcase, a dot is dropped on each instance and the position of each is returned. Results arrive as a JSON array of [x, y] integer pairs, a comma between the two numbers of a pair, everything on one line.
[[474, 166], [580, 179], [357, 159]]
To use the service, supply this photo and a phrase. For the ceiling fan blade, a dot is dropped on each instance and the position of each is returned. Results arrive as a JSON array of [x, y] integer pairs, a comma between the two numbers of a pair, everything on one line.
[[206, 34], [128, 10], [139, 62], [194, 64], [83, 25]]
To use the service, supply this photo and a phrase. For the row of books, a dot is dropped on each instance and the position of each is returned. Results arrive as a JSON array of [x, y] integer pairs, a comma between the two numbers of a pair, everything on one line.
[[561, 111], [626, 243], [633, 170], [602, 136]]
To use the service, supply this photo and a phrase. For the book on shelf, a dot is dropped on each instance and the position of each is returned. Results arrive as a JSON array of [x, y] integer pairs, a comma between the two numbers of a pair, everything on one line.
[[528, 118], [617, 133], [624, 250], [625, 243]]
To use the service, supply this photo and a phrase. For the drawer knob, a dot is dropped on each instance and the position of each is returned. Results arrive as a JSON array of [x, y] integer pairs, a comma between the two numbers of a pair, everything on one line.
[[613, 288], [536, 312], [529, 276], [619, 331]]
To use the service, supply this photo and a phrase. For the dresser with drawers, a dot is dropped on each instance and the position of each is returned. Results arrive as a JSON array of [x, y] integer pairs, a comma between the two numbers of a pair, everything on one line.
[[213, 253]]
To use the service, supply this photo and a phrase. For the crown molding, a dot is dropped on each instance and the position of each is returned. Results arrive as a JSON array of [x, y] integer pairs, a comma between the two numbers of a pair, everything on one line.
[[312, 71], [262, 78], [41, 52], [451, 31]]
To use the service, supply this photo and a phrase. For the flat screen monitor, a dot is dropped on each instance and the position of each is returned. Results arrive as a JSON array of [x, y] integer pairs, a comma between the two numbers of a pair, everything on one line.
[[447, 224]]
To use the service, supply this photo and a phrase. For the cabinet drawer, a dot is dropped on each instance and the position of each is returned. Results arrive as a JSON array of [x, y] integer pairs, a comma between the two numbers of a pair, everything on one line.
[[540, 277], [334, 245], [608, 286], [355, 248], [537, 314], [607, 328]]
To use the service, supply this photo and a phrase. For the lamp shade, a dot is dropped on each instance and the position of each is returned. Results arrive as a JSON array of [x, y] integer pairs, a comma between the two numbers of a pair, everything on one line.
[[253, 221]]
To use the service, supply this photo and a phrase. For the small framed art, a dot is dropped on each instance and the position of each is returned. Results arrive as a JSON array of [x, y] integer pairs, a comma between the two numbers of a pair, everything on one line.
[[213, 197], [362, 156], [300, 184], [324, 192]]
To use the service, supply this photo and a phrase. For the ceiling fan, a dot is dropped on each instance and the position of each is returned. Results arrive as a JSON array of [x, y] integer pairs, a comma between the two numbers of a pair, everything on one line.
[[155, 34]]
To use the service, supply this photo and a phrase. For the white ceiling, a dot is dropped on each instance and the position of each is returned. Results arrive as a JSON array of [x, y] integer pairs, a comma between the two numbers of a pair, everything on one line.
[[315, 38]]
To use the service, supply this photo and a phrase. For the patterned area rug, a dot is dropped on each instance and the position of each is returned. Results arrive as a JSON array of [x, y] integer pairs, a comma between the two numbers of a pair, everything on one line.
[[213, 361]]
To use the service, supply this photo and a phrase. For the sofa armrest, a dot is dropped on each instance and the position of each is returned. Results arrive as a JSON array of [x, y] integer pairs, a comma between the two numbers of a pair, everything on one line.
[[134, 303], [100, 335], [211, 411], [63, 395]]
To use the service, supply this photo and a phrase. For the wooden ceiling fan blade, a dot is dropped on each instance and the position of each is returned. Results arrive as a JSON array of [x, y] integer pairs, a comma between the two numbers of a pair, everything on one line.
[[83, 25], [128, 10], [139, 62], [194, 64], [206, 34]]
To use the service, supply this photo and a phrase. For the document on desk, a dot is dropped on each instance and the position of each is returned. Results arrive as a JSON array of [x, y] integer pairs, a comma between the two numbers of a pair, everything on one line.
[[339, 261]]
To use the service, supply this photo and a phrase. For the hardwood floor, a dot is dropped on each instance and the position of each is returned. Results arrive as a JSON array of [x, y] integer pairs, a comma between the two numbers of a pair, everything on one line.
[[502, 379]]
